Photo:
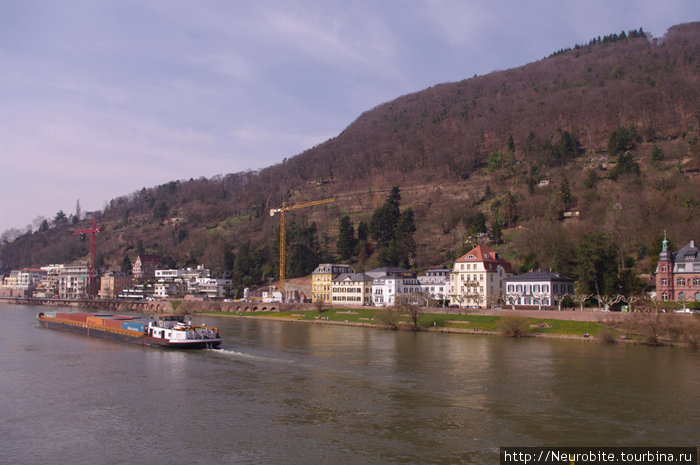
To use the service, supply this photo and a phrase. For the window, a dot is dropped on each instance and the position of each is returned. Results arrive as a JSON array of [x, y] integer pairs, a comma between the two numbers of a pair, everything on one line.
[[664, 296], [663, 267], [555, 288], [680, 267], [697, 296], [663, 282], [680, 281], [696, 282], [545, 288], [681, 296]]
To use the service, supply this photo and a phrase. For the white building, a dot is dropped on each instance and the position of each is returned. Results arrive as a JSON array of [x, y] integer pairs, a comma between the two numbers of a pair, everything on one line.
[[22, 283], [137, 292], [73, 282], [391, 283], [435, 283], [196, 282], [48, 288], [540, 288], [168, 282], [213, 288]]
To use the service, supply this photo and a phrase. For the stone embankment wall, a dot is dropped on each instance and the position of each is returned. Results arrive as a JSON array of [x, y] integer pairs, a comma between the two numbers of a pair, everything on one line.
[[163, 306]]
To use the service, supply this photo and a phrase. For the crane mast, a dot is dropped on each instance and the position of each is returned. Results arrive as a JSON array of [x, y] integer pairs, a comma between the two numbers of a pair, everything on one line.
[[91, 266], [282, 209]]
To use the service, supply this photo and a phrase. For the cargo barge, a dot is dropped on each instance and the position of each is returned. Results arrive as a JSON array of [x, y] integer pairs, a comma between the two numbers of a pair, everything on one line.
[[173, 331]]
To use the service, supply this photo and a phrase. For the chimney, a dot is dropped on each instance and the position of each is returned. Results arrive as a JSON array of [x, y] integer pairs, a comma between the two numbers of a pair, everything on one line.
[[692, 243]]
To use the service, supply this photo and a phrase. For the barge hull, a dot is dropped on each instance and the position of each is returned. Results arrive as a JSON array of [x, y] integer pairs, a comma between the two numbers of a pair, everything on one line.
[[136, 338]]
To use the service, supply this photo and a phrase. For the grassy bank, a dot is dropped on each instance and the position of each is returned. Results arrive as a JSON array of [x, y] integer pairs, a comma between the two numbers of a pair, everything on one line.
[[482, 323]]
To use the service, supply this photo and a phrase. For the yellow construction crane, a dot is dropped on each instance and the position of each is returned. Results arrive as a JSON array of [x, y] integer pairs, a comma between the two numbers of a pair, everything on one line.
[[282, 209]]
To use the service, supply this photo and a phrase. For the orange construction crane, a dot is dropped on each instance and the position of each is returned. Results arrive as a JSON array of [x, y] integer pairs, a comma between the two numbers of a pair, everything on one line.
[[282, 209]]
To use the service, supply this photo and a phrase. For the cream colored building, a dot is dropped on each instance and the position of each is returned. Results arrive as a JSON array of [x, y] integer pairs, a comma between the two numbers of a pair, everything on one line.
[[322, 281], [352, 288], [478, 278], [112, 284]]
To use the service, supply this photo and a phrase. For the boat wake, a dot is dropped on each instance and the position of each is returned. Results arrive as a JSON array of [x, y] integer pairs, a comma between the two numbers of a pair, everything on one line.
[[229, 352]]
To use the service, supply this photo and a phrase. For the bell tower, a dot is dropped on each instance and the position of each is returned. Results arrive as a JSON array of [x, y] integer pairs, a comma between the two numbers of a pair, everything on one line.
[[664, 274]]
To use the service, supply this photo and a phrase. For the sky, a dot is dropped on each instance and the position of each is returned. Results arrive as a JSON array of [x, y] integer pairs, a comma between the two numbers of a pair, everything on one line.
[[100, 98]]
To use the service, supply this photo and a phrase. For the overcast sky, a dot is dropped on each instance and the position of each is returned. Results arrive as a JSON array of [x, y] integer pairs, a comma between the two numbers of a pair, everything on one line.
[[99, 98]]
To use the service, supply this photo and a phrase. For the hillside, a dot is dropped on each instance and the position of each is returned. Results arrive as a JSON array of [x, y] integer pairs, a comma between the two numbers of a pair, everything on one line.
[[502, 145]]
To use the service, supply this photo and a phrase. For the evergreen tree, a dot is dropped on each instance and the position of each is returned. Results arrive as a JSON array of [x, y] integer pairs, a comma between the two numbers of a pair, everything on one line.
[[303, 250], [404, 245], [382, 226], [596, 267], [362, 231], [497, 229], [565, 193], [126, 265], [346, 238], [60, 217], [657, 154], [622, 140], [626, 164]]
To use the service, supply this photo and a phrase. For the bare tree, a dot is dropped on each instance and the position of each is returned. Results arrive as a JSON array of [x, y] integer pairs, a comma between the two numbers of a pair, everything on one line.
[[539, 297], [606, 301], [512, 299], [559, 298], [633, 300], [409, 304], [581, 299], [319, 304]]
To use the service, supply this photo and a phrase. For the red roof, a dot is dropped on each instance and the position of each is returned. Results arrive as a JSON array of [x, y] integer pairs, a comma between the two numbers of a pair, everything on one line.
[[482, 253]]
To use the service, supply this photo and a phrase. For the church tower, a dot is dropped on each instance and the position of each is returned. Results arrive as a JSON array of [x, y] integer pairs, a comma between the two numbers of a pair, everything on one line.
[[664, 274]]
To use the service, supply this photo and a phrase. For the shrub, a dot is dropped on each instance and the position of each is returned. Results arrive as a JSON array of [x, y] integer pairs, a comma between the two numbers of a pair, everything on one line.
[[606, 335], [514, 326], [387, 317]]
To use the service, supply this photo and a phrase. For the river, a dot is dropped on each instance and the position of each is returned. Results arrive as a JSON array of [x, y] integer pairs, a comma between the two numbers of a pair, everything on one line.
[[285, 393]]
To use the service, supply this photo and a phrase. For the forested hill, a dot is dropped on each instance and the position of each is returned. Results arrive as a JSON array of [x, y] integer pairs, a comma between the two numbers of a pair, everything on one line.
[[608, 129]]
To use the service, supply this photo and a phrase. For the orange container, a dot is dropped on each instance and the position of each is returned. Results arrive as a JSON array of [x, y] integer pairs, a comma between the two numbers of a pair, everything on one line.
[[79, 316], [93, 320], [111, 323]]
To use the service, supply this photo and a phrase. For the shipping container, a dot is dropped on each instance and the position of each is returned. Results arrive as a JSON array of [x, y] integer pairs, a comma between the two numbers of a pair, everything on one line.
[[94, 320], [134, 325], [63, 315], [112, 323], [80, 316]]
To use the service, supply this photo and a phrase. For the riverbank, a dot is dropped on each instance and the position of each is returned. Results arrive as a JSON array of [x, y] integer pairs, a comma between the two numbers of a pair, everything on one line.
[[456, 323], [590, 324], [609, 329]]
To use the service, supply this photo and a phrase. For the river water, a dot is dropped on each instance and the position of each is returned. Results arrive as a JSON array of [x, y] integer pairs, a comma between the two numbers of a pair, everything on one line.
[[284, 393]]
